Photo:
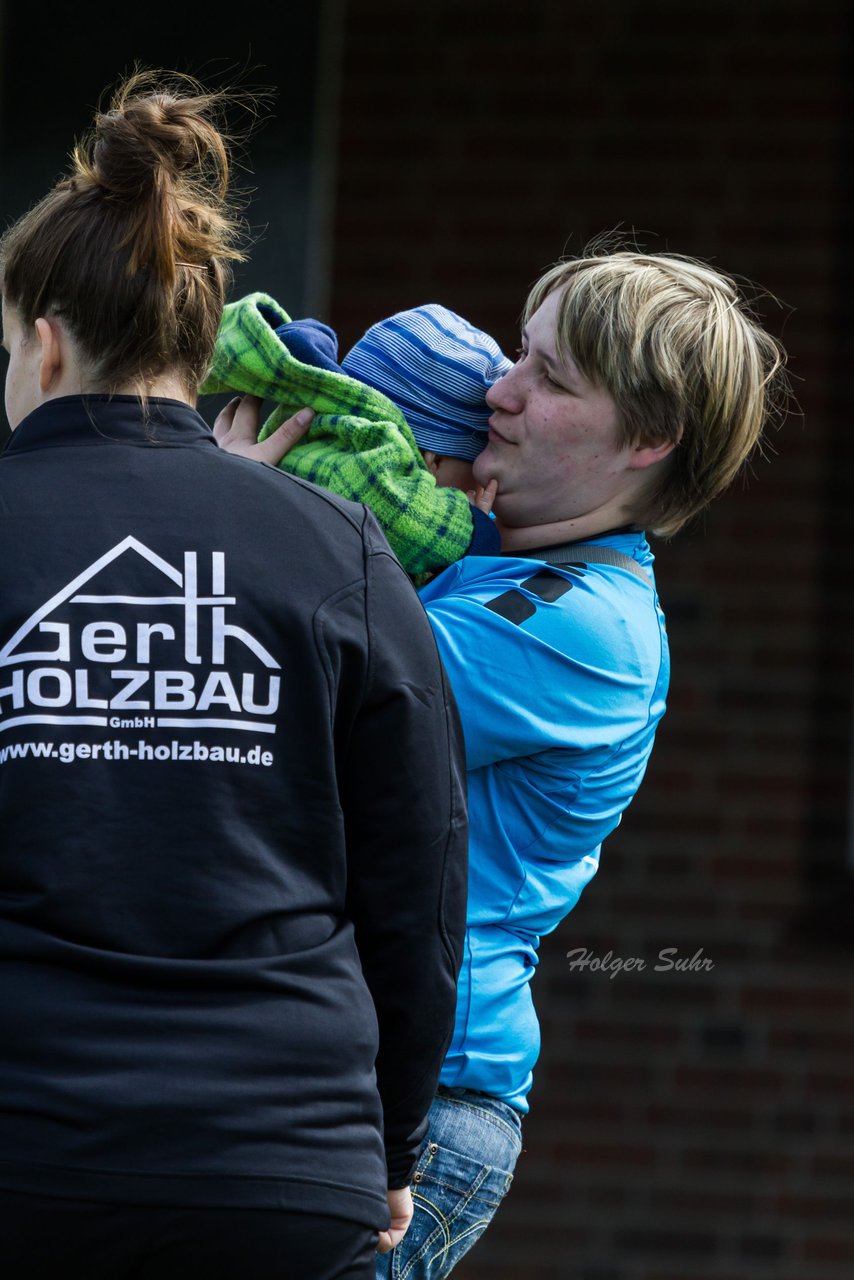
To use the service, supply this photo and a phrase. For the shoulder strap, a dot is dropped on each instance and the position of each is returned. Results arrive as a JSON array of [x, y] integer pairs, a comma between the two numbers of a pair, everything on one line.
[[589, 553]]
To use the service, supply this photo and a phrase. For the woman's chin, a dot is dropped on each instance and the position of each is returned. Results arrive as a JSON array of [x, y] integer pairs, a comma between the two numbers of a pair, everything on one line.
[[483, 469]]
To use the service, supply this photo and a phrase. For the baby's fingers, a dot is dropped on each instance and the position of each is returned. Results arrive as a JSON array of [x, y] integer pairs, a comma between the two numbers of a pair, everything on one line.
[[483, 498]]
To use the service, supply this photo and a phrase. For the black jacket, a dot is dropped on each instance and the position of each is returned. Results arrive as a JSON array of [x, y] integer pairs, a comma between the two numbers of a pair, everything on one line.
[[232, 821]]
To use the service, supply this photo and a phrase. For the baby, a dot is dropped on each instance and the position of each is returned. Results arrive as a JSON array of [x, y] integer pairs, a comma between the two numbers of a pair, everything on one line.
[[397, 424]]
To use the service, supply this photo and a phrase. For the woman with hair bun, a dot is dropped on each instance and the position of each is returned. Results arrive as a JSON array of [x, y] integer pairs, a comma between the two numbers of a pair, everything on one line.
[[219, 863]]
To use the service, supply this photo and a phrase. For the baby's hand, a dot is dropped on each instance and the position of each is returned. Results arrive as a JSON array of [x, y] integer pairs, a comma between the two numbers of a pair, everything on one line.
[[483, 498]]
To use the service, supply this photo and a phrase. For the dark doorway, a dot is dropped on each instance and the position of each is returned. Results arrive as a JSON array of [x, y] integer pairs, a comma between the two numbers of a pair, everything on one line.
[[56, 62]]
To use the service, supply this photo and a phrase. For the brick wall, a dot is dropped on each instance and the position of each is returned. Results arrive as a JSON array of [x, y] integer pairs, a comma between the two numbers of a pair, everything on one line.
[[685, 1125]]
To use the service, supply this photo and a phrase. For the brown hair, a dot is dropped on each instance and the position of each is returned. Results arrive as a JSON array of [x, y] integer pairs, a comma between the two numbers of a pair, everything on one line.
[[683, 358], [133, 248]]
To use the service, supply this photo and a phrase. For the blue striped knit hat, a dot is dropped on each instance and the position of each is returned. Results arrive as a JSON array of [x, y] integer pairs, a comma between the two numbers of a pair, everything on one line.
[[437, 368]]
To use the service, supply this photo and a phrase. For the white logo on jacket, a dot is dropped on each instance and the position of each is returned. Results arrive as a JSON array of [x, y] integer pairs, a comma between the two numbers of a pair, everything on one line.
[[181, 665]]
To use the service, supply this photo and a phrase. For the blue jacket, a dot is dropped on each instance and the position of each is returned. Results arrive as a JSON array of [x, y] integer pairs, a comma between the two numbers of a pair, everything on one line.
[[560, 677]]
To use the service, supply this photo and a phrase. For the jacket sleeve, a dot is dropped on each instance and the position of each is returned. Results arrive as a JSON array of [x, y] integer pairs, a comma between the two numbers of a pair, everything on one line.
[[403, 791]]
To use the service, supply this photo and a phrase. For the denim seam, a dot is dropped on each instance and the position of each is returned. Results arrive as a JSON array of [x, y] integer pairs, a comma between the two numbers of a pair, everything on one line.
[[490, 1116], [467, 1192]]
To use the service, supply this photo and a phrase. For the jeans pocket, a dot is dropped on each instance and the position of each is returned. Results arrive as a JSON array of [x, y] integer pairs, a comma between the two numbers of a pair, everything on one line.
[[455, 1198]]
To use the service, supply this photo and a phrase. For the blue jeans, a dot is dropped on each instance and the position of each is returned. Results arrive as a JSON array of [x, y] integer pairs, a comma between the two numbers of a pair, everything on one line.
[[465, 1169]]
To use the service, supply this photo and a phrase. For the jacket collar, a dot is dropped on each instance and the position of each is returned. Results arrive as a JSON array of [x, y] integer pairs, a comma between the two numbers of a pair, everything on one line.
[[103, 419]]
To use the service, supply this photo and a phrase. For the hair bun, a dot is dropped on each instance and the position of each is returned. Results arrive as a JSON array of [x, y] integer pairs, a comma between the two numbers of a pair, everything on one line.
[[154, 136], [133, 247], [159, 158]]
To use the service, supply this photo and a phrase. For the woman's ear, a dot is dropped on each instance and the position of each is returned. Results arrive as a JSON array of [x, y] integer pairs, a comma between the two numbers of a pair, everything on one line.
[[51, 339], [652, 451]]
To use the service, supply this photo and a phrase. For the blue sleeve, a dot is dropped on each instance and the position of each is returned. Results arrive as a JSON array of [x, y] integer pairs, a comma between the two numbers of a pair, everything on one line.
[[313, 343], [486, 540]]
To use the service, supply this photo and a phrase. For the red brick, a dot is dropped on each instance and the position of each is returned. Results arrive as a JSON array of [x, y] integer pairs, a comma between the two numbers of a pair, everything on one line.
[[812, 1207], [830, 1249], [730, 1080], [813, 1040], [619, 1155], [683, 1117], [834, 1165], [743, 1161], [818, 1001], [827, 1085]]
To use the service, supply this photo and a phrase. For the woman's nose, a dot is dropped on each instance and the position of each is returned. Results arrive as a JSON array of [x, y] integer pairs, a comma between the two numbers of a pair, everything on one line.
[[506, 393]]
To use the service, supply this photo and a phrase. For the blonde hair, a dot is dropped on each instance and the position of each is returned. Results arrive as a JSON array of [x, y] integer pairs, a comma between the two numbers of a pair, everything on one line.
[[682, 357], [133, 248]]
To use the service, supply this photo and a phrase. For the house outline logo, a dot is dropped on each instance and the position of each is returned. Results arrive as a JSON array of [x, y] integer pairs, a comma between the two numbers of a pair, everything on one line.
[[56, 694]]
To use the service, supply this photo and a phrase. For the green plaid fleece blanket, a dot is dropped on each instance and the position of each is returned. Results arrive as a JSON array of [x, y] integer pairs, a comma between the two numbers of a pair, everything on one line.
[[359, 444]]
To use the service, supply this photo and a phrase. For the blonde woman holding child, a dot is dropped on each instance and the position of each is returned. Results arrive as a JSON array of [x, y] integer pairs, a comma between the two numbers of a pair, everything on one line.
[[642, 386]]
